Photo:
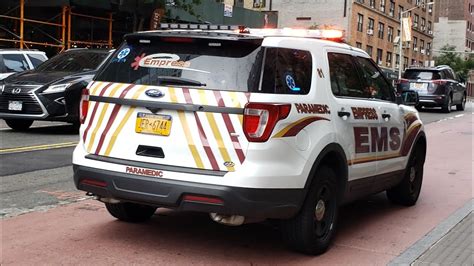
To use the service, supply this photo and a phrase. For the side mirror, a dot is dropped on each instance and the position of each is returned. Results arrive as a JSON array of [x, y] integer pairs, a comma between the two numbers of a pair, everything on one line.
[[408, 98]]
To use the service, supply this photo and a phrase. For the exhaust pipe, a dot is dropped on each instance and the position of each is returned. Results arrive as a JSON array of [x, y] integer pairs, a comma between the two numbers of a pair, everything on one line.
[[107, 200], [231, 220]]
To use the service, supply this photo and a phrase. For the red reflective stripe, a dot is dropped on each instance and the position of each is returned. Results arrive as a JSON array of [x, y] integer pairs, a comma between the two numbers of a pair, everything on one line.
[[230, 128], [94, 112], [202, 134], [112, 118], [94, 182], [203, 199], [298, 127]]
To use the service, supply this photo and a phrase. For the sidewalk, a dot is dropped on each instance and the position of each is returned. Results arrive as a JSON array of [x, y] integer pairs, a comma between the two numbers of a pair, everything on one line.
[[449, 243]]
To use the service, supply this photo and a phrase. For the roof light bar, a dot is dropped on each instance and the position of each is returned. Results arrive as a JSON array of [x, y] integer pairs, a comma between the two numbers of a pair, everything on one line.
[[174, 26], [319, 34]]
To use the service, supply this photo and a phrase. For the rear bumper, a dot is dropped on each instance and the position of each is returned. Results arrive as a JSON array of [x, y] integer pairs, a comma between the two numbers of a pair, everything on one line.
[[261, 203], [432, 100]]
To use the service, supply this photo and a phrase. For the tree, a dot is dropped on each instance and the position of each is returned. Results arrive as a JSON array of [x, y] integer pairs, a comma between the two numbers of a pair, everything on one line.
[[455, 60]]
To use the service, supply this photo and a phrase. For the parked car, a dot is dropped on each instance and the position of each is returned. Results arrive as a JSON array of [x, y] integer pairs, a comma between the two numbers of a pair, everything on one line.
[[15, 60], [50, 92], [436, 86]]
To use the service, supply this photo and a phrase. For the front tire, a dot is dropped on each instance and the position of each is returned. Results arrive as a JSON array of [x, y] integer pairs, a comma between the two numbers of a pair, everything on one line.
[[462, 105], [19, 124], [407, 192], [130, 212], [312, 230]]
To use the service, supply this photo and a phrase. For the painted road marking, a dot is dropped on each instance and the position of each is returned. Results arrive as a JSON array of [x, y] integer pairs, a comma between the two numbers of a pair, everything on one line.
[[38, 147]]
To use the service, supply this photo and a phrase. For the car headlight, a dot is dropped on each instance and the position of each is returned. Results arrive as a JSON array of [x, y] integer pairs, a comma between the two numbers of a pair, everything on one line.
[[57, 88]]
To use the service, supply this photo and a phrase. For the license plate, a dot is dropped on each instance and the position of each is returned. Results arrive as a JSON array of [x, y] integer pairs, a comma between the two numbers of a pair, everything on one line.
[[15, 105], [418, 86], [153, 124]]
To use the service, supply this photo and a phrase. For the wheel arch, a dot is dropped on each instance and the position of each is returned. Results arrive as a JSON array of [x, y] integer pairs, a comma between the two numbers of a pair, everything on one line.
[[334, 157]]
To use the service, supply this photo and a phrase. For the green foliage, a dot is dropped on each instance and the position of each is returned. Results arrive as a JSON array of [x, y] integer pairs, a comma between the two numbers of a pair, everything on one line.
[[455, 60]]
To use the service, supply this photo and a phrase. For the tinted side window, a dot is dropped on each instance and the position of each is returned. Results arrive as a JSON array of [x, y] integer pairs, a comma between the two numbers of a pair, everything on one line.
[[376, 85], [36, 59], [286, 71], [15, 62], [344, 78]]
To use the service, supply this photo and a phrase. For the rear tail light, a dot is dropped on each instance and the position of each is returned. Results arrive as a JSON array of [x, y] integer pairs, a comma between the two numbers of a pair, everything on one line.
[[261, 118], [93, 182], [439, 81], [84, 105], [401, 81]]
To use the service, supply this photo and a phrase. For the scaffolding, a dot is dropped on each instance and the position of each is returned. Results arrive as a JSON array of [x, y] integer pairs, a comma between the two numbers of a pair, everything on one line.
[[65, 25]]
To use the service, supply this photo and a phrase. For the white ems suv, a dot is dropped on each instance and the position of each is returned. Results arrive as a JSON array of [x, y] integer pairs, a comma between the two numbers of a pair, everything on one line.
[[246, 124]]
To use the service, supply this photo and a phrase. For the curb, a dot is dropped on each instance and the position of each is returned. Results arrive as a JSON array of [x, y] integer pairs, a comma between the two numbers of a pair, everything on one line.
[[416, 250]]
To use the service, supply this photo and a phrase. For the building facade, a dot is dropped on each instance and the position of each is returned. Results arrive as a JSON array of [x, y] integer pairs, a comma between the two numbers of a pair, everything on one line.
[[454, 25], [372, 25]]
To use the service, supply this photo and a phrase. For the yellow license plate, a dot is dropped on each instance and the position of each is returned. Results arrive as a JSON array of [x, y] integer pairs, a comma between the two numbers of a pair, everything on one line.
[[153, 124]]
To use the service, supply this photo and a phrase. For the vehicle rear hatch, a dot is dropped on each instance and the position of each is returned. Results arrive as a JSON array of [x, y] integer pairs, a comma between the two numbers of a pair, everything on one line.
[[421, 80], [173, 100]]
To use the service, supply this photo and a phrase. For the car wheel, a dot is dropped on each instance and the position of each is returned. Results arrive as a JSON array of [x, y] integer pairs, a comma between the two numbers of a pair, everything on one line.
[[407, 192], [462, 105], [19, 124], [312, 229], [447, 105], [419, 107], [130, 212]]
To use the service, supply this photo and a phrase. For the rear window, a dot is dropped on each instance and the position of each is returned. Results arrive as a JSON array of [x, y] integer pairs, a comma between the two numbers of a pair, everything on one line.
[[37, 59], [421, 74], [219, 64], [74, 61]]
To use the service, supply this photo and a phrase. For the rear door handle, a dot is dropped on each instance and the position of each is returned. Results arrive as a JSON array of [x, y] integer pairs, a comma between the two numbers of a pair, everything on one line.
[[343, 113], [386, 116]]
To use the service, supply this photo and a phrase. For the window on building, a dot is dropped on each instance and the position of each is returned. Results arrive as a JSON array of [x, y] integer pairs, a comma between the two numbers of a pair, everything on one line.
[[418, 2], [369, 50], [382, 6], [423, 24], [391, 11], [390, 34], [422, 45], [400, 10], [415, 44], [359, 45], [372, 3], [259, 3], [413, 62], [379, 56], [360, 22], [345, 82], [371, 24], [429, 26], [381, 30], [415, 21], [405, 62], [389, 58], [397, 60]]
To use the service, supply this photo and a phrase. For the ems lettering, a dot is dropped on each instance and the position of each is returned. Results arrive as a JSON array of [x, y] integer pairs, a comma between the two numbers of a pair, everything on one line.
[[303, 108], [364, 113], [375, 139]]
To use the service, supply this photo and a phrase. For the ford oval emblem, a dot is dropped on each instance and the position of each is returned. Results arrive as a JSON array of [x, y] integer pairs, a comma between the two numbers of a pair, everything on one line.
[[154, 93]]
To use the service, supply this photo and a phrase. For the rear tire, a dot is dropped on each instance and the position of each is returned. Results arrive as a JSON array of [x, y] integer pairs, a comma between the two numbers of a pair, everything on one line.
[[407, 192], [130, 212], [19, 124], [462, 105], [312, 230], [446, 108]]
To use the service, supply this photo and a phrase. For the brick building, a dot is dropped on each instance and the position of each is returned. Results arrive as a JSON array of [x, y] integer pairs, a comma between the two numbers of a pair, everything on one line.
[[454, 21], [372, 25]]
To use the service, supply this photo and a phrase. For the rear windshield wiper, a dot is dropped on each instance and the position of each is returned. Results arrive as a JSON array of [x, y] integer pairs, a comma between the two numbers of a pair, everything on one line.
[[179, 81]]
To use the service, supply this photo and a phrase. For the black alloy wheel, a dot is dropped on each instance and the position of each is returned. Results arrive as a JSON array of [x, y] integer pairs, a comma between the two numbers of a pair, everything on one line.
[[19, 124], [462, 105]]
